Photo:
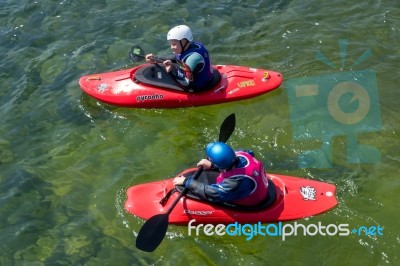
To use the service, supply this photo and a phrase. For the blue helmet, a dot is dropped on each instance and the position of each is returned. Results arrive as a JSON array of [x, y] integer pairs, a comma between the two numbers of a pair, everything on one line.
[[220, 154]]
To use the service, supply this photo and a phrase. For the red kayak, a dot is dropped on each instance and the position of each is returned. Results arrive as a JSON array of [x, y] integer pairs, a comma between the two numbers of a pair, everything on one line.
[[289, 198], [149, 86]]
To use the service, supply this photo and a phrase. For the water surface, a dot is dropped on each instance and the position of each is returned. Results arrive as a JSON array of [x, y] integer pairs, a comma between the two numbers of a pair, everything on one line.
[[66, 160]]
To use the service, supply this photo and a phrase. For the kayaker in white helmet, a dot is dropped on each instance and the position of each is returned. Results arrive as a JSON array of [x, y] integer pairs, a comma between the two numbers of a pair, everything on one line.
[[196, 72], [242, 178]]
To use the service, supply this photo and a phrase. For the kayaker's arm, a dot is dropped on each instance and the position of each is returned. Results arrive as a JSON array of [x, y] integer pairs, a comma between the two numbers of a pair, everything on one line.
[[151, 58], [184, 72], [181, 74], [230, 189]]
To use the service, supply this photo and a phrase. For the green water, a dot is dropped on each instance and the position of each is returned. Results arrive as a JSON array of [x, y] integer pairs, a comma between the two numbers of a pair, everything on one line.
[[66, 160]]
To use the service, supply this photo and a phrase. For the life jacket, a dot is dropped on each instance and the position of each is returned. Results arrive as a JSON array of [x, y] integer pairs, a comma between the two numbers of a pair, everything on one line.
[[253, 170], [200, 77]]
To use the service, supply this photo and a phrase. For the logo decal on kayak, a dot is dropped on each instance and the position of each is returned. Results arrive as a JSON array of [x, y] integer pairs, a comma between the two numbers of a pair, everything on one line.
[[308, 193], [102, 87], [201, 213], [246, 83], [155, 96], [234, 91]]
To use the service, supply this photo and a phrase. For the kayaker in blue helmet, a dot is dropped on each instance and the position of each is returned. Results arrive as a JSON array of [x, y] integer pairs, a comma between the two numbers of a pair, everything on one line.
[[195, 73], [242, 178]]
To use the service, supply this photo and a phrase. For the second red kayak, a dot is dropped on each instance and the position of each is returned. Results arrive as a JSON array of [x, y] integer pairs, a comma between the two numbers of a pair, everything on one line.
[[149, 86], [289, 198]]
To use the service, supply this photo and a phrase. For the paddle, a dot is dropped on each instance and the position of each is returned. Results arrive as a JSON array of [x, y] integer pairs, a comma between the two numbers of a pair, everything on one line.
[[227, 128], [136, 54], [154, 229]]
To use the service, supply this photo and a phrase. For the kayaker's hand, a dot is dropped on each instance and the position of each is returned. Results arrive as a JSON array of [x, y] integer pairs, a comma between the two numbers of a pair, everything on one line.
[[150, 58], [168, 65], [179, 180], [205, 163]]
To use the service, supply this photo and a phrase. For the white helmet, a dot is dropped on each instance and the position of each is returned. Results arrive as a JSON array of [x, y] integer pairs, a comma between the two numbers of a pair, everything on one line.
[[180, 32]]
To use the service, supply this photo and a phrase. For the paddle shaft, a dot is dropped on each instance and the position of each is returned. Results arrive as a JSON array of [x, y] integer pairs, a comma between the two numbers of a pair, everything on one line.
[[226, 130], [184, 191], [154, 229], [156, 59], [139, 54]]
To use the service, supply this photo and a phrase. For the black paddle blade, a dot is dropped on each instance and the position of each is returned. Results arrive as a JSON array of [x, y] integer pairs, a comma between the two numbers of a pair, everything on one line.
[[152, 233], [136, 53], [227, 128]]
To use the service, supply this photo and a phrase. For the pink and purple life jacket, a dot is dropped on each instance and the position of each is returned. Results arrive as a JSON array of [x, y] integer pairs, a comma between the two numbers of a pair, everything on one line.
[[253, 170]]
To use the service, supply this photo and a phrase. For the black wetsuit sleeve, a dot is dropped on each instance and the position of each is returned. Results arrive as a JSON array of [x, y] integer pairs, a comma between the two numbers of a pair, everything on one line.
[[229, 189]]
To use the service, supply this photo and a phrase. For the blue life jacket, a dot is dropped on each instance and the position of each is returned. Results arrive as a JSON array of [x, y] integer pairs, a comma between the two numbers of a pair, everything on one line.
[[198, 60]]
